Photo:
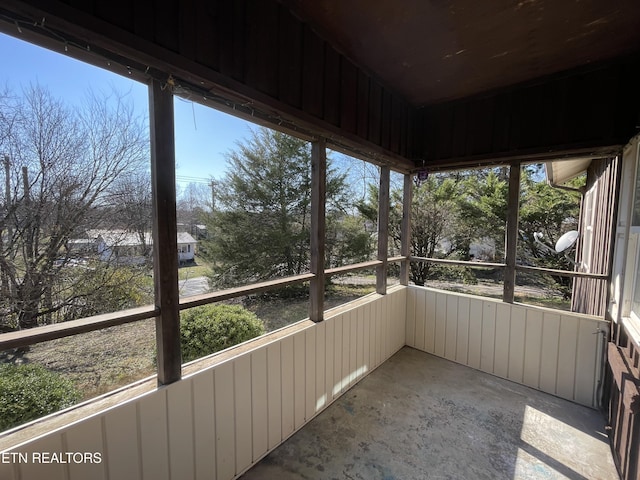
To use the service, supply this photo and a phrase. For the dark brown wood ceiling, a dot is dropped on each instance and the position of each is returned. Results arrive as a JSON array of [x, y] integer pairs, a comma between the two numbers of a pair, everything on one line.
[[440, 50]]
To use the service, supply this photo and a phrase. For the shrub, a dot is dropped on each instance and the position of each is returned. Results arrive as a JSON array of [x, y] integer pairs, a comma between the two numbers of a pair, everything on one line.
[[211, 328], [30, 391]]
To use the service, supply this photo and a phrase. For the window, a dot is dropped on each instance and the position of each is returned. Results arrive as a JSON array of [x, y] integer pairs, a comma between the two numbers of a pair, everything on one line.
[[634, 245], [629, 229]]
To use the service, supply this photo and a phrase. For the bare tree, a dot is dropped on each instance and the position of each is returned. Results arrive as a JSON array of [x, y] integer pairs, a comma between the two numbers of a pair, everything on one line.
[[63, 164], [132, 207], [194, 201]]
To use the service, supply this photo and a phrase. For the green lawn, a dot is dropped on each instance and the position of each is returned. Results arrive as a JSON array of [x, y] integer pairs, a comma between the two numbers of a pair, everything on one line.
[[199, 269]]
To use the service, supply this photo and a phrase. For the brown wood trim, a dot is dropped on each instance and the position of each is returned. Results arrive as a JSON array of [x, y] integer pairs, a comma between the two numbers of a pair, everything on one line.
[[206, 298], [397, 259], [165, 232], [524, 268], [513, 208], [562, 273], [383, 230], [463, 263], [405, 229], [23, 338], [627, 384], [523, 156], [318, 196], [353, 267]]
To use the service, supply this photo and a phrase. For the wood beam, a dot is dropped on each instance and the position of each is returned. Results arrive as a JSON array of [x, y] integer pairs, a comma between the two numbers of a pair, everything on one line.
[[165, 242], [383, 231], [318, 196], [513, 207], [405, 232]]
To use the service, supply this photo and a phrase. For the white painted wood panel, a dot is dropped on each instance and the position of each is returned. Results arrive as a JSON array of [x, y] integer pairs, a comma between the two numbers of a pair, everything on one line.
[[553, 351], [488, 337], [274, 400], [10, 471], [451, 329], [320, 361], [475, 333], [288, 394], [337, 356], [180, 416], [378, 345], [410, 327], [366, 338], [216, 423], [353, 347], [517, 337], [440, 324], [421, 321], [549, 352], [462, 337], [122, 452], [329, 359], [242, 400], [372, 338], [532, 348], [204, 425], [429, 308], [586, 363], [85, 437], [346, 356], [225, 424], [35, 469], [310, 374], [567, 352], [360, 344], [259, 404], [502, 334], [299, 380], [154, 435]]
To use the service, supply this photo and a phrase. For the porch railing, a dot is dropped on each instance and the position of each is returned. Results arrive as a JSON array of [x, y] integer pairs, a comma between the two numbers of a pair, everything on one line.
[[24, 338]]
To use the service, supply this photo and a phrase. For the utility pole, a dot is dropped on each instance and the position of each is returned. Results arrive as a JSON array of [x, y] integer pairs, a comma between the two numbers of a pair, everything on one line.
[[213, 196], [4, 278]]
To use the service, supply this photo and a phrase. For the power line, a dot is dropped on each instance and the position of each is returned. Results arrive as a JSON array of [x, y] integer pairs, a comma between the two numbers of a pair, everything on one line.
[[188, 179]]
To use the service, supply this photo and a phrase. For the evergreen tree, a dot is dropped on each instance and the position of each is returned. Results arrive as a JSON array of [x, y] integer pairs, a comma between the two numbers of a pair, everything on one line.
[[260, 228]]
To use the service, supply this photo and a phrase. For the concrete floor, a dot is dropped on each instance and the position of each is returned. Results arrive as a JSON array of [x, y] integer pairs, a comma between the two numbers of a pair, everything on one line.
[[421, 417]]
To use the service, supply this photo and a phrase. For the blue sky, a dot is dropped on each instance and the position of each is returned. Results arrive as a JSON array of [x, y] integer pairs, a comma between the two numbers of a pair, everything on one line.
[[203, 135]]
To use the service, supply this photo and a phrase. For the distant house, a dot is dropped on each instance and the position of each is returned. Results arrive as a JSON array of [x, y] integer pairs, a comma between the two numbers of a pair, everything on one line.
[[200, 231], [125, 247], [186, 247], [119, 246]]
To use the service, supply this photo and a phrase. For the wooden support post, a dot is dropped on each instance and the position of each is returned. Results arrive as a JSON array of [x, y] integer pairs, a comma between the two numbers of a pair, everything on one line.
[[513, 207], [318, 195], [165, 242], [383, 231], [405, 232]]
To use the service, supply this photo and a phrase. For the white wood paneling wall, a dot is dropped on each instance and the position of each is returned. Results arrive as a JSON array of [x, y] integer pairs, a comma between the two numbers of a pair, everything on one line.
[[552, 351], [217, 423]]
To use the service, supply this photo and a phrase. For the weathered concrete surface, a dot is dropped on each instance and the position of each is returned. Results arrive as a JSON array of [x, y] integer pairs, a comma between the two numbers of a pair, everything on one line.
[[422, 417]]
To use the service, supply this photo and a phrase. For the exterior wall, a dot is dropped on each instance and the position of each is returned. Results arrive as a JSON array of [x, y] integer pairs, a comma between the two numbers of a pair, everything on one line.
[[594, 251], [186, 252], [548, 350], [622, 385], [218, 422]]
